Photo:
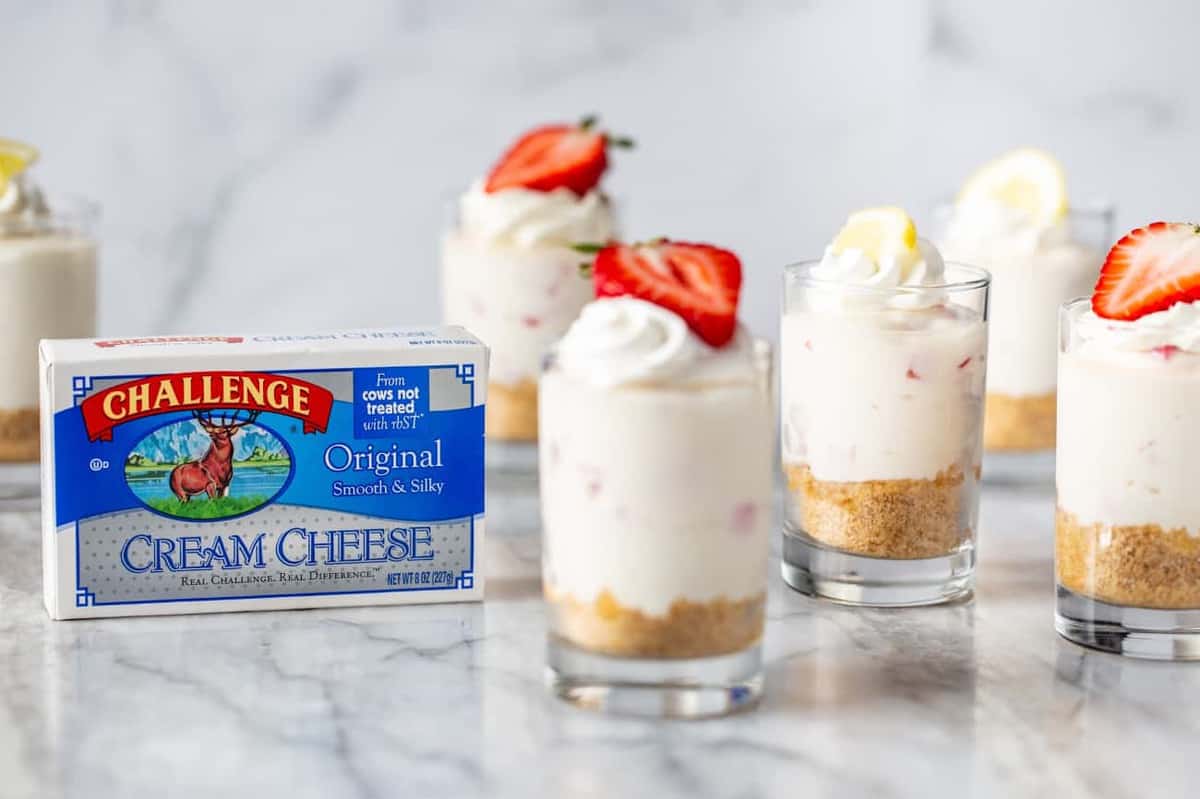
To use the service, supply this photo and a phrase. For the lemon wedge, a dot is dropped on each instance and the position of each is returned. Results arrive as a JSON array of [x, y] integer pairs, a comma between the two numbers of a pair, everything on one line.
[[15, 156], [877, 232], [1027, 179]]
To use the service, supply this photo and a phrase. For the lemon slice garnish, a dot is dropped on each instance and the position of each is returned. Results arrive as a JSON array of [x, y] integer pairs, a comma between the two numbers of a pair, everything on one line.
[[1029, 180], [878, 233], [15, 156]]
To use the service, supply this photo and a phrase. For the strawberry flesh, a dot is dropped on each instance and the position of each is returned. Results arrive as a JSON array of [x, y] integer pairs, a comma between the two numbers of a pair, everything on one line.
[[552, 157], [699, 282], [1149, 270]]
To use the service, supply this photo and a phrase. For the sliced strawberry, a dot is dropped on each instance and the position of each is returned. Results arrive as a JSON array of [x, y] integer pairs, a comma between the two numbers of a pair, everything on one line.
[[1149, 270], [699, 282], [556, 156]]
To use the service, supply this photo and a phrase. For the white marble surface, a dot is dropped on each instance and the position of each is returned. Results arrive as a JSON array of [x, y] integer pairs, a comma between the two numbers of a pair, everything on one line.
[[285, 164], [979, 699]]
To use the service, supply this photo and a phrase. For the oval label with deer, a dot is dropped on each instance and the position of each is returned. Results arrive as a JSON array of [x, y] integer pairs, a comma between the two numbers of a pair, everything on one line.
[[214, 465]]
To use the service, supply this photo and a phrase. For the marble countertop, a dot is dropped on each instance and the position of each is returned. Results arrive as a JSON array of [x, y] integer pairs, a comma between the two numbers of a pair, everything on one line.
[[980, 699]]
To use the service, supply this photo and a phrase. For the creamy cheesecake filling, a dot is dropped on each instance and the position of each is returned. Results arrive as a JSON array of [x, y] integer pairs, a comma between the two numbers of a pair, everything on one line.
[[509, 276], [1128, 522], [1127, 438], [1036, 266], [653, 544], [891, 395], [47, 290]]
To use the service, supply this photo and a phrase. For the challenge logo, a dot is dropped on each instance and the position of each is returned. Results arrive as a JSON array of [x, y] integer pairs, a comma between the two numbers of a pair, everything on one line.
[[220, 462], [206, 391]]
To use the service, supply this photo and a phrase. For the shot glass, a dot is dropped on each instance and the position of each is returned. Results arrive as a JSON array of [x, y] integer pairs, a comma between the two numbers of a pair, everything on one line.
[[1127, 553], [1031, 278], [47, 290], [882, 408], [656, 505], [519, 300]]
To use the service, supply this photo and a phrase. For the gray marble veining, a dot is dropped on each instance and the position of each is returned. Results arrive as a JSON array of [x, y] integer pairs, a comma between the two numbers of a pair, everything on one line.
[[977, 699], [277, 165]]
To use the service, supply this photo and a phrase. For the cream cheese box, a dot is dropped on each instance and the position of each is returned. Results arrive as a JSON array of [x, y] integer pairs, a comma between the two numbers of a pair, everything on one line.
[[203, 474]]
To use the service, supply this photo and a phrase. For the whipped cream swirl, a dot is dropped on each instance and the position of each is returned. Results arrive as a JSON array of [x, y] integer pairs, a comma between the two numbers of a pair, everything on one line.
[[528, 218], [623, 340], [1177, 326], [990, 227], [856, 280]]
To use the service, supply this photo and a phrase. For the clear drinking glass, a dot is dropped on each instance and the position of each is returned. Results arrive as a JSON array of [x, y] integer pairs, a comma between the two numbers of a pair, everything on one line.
[[1032, 275], [881, 424], [656, 507], [1127, 554], [47, 290]]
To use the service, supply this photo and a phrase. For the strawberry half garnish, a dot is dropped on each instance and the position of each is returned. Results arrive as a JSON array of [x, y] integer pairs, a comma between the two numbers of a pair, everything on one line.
[[556, 156], [699, 282], [1149, 270]]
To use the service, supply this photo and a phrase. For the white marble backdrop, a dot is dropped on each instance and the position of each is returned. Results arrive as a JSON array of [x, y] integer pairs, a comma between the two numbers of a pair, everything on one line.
[[286, 165]]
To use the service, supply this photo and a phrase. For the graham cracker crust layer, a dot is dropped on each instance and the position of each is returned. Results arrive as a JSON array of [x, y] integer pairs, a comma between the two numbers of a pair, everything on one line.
[[1019, 423], [1136, 565], [688, 630], [19, 435], [899, 519], [512, 411]]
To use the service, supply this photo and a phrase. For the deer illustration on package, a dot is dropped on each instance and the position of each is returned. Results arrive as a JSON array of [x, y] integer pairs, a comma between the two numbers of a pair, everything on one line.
[[212, 473], [204, 474]]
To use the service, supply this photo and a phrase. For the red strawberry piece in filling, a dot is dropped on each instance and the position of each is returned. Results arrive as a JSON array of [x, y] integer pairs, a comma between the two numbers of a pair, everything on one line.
[[743, 518]]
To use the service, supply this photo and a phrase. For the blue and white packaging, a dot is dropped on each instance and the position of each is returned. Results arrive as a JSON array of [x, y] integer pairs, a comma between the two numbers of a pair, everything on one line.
[[204, 474]]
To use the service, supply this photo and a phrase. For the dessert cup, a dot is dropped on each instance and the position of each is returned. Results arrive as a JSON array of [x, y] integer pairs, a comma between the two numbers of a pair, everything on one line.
[[519, 297], [1033, 272], [1127, 555], [882, 404], [510, 267], [519, 300], [47, 290], [656, 509]]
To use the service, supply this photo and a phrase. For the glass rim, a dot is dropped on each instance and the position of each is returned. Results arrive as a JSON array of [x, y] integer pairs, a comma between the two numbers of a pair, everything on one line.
[[1072, 310], [66, 213], [978, 278]]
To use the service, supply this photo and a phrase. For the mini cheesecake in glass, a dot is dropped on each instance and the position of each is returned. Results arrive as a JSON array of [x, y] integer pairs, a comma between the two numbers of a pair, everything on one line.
[[882, 359], [510, 275], [656, 445], [1128, 519], [47, 290], [1012, 218]]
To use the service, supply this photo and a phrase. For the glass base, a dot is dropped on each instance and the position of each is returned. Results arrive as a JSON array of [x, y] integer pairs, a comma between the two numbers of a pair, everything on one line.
[[1018, 468], [838, 576], [685, 688], [20, 486], [511, 457], [1150, 633]]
